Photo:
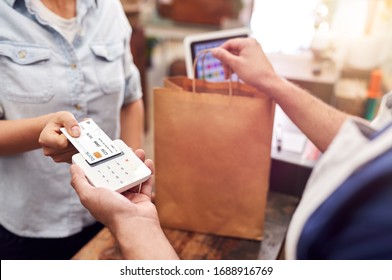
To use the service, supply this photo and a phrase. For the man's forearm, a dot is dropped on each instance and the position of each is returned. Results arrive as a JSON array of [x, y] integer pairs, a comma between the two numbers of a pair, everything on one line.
[[143, 240], [319, 121]]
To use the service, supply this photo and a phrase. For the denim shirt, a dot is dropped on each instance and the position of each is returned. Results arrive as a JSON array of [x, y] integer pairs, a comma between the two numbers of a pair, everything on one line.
[[41, 73]]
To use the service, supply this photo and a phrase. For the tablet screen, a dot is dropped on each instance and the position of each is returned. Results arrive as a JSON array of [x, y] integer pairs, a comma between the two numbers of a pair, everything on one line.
[[212, 69]]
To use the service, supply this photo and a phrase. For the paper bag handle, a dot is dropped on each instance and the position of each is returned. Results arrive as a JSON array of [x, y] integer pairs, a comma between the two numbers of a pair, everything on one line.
[[204, 53]]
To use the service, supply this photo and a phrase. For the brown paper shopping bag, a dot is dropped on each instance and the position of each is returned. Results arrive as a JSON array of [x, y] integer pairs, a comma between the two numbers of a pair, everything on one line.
[[212, 157]]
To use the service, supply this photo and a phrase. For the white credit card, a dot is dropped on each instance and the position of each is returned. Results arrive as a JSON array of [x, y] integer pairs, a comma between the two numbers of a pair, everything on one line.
[[93, 143]]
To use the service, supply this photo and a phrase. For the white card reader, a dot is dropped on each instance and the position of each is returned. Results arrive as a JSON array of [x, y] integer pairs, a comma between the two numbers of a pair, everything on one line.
[[120, 172]]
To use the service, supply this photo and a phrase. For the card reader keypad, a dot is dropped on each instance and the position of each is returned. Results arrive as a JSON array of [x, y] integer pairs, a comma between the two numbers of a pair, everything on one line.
[[119, 174], [117, 171]]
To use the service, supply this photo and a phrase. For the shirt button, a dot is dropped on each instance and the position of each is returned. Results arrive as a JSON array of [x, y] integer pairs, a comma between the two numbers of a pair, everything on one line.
[[78, 107], [73, 66], [22, 54]]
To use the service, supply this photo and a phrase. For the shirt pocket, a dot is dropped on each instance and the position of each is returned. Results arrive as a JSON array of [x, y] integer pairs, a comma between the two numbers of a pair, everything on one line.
[[109, 66], [25, 74]]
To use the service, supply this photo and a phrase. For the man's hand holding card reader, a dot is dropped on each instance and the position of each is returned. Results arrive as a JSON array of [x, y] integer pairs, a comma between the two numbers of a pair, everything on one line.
[[106, 163]]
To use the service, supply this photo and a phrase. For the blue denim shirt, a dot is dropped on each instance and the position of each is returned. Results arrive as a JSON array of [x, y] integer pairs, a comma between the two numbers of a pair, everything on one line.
[[41, 73]]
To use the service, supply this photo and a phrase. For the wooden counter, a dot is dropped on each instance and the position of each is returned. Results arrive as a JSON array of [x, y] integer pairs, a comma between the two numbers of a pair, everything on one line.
[[198, 246]]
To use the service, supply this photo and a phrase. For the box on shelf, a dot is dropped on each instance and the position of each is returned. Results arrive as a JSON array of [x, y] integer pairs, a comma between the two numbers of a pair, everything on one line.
[[200, 11], [351, 95]]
